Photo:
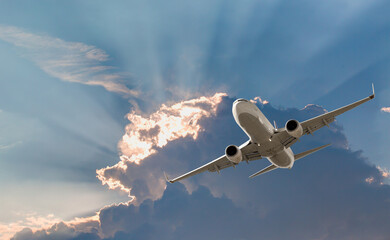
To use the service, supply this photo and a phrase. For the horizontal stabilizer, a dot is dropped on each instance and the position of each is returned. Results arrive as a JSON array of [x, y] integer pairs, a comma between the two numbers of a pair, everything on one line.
[[267, 169], [304, 154]]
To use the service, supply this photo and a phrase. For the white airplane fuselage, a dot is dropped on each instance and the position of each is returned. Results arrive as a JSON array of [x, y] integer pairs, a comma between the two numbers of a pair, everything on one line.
[[260, 131]]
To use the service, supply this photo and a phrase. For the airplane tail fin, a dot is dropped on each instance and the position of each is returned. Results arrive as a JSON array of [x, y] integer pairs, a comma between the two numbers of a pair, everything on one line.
[[304, 154], [267, 169], [296, 157]]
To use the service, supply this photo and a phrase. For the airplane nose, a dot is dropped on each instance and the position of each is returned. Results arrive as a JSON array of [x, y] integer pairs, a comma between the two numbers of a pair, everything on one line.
[[240, 100], [239, 105]]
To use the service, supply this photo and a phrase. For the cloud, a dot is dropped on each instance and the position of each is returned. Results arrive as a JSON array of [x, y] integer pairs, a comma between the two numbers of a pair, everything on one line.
[[384, 176], [258, 99], [68, 61], [370, 180], [325, 196], [33, 221], [2, 147], [201, 215], [58, 231], [384, 172], [145, 135], [50, 227], [385, 109]]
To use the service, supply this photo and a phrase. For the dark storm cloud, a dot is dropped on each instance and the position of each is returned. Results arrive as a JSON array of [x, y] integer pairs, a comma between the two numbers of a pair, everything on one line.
[[324, 196]]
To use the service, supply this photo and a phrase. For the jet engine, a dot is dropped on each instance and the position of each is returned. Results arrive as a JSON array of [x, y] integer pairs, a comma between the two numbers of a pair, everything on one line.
[[233, 154], [294, 128]]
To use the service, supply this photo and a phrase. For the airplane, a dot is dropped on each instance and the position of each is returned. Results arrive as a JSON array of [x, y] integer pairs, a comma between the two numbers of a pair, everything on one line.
[[267, 141]]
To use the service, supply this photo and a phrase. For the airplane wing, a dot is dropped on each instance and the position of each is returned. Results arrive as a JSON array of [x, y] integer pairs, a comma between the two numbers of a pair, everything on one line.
[[249, 153], [314, 124]]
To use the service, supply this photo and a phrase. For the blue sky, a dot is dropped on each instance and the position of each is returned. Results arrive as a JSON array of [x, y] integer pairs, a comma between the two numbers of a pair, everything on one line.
[[74, 72]]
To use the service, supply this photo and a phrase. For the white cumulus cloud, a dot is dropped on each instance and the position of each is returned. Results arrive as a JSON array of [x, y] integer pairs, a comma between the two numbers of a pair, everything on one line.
[[146, 134]]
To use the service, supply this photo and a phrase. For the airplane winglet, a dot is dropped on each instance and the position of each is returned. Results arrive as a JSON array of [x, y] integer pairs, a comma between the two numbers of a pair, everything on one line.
[[373, 91], [167, 179]]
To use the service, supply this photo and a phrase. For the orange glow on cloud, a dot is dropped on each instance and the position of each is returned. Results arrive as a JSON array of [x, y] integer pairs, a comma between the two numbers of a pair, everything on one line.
[[369, 180], [258, 99], [145, 134], [43, 223], [31, 220], [384, 172]]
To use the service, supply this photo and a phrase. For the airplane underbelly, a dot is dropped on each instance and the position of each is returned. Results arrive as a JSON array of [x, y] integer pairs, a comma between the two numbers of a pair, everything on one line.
[[255, 129], [249, 117], [284, 159]]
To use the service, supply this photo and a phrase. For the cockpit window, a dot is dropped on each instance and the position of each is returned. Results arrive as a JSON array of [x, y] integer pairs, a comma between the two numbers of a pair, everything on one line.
[[241, 100]]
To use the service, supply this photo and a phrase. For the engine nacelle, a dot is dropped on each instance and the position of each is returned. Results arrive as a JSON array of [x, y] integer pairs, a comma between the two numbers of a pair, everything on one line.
[[294, 128], [233, 154]]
